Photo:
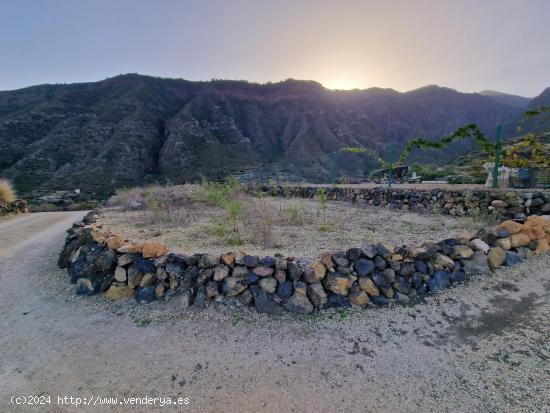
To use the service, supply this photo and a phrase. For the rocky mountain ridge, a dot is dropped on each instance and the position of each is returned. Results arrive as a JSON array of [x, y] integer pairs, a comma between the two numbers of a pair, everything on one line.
[[134, 129]]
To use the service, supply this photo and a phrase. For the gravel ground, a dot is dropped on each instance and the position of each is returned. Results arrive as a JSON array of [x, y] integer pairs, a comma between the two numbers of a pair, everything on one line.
[[298, 227], [483, 346]]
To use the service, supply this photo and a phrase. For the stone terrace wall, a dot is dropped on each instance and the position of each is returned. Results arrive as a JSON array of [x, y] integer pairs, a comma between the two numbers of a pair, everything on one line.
[[16, 207], [104, 263], [504, 204]]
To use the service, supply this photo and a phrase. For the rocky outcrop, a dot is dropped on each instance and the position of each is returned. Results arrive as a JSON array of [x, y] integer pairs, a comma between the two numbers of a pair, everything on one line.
[[513, 204], [367, 275]]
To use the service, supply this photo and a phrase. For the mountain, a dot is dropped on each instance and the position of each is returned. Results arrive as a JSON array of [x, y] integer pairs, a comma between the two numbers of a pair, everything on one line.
[[505, 98], [132, 129], [541, 100]]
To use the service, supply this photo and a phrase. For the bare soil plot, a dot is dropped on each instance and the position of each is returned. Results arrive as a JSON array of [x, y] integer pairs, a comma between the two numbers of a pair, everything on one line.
[[269, 225]]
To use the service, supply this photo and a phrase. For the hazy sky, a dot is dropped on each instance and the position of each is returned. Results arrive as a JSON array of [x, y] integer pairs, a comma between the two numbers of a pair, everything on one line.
[[467, 45]]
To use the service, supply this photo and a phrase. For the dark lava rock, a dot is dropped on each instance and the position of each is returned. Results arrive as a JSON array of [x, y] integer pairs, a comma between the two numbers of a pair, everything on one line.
[[298, 303], [402, 285], [245, 297], [188, 278], [264, 303], [364, 267], [382, 251], [379, 262], [285, 290], [251, 278], [477, 264], [268, 261], [389, 274], [401, 298], [421, 266], [201, 298], [416, 279], [87, 286], [353, 254], [340, 259], [337, 301], [438, 282], [317, 295], [512, 258], [379, 300], [406, 268], [144, 265], [209, 261], [457, 276], [144, 294], [251, 261], [369, 251], [175, 270], [293, 270], [379, 280]]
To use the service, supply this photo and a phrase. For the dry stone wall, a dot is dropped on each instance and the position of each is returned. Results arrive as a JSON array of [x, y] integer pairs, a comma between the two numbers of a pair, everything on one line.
[[367, 275], [512, 204]]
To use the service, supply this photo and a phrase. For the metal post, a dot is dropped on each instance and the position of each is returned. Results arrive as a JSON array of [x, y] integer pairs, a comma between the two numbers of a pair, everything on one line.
[[497, 157]]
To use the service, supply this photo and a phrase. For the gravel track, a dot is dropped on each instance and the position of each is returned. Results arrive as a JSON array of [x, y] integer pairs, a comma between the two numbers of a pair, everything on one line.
[[483, 346]]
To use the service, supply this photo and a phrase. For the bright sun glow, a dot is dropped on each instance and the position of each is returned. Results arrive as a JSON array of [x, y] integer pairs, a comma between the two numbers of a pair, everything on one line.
[[341, 84]]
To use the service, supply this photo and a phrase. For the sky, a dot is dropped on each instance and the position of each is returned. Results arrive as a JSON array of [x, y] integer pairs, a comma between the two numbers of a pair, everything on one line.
[[401, 44]]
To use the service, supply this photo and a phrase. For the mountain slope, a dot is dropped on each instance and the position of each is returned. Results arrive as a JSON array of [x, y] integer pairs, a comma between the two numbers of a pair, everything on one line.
[[505, 98], [133, 129]]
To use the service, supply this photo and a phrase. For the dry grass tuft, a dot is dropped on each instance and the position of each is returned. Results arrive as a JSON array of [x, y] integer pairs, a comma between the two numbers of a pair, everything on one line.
[[7, 193]]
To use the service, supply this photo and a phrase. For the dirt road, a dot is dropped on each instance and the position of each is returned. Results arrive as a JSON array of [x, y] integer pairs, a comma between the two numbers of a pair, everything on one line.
[[481, 347]]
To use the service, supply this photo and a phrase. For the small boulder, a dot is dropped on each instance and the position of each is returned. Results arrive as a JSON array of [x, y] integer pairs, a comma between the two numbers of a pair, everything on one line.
[[298, 303], [496, 257], [285, 289], [228, 259], [512, 258], [461, 252], [317, 295], [504, 243], [479, 245], [268, 284], [338, 283], [364, 267], [144, 295], [153, 250], [263, 271], [120, 274], [220, 272], [118, 292], [520, 240], [367, 285], [510, 226], [359, 298], [441, 261]]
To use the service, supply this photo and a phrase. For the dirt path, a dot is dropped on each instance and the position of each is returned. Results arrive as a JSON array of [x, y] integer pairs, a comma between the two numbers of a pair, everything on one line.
[[483, 346]]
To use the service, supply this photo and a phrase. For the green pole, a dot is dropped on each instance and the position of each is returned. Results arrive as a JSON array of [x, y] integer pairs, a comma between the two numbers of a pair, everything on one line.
[[390, 174], [497, 157], [299, 171], [333, 174]]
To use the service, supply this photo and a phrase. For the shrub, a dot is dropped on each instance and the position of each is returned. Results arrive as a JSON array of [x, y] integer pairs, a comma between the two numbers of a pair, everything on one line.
[[7, 193]]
